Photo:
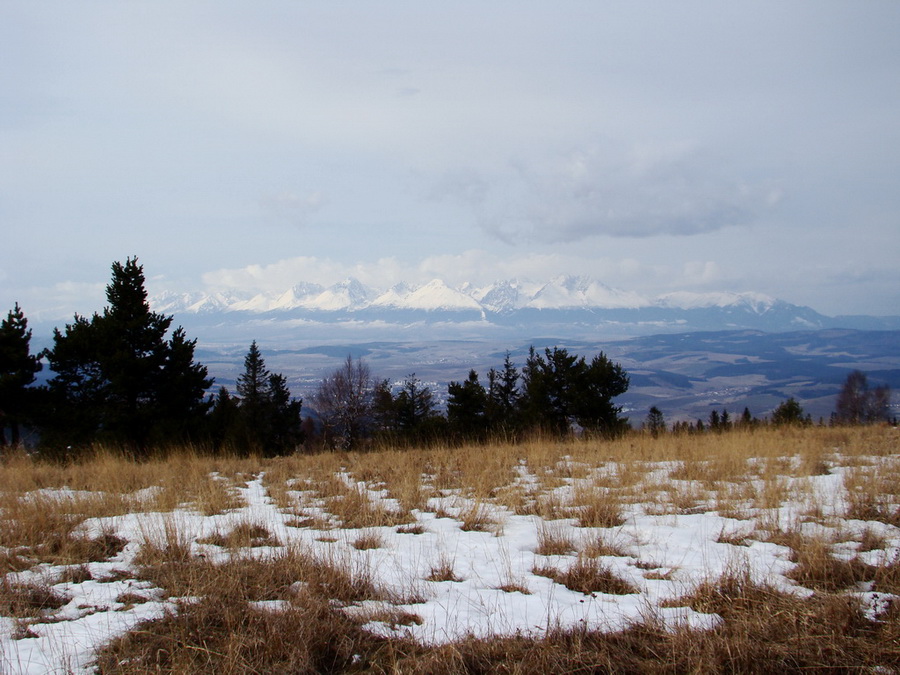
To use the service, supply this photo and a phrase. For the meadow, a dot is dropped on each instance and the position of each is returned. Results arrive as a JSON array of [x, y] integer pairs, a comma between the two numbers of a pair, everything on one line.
[[776, 549]]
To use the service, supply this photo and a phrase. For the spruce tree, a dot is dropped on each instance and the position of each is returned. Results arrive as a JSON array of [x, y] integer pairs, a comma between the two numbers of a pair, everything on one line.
[[269, 419], [285, 425], [656, 422], [560, 389], [118, 380], [467, 404], [788, 412], [503, 397], [17, 371]]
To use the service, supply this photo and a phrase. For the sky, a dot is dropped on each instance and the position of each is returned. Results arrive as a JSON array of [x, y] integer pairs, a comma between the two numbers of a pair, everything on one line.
[[654, 146]]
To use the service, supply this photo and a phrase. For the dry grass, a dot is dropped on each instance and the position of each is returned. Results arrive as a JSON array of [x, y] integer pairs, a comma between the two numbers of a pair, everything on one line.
[[226, 635], [242, 535], [442, 570], [43, 507], [596, 507], [589, 576], [817, 567], [368, 540], [554, 539], [28, 600], [477, 516], [355, 509]]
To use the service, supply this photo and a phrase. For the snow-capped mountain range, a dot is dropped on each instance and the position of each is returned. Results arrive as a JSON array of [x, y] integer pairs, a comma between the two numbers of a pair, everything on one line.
[[562, 301], [503, 297]]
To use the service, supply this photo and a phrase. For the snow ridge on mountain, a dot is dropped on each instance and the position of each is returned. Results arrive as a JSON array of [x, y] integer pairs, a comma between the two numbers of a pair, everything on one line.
[[502, 297]]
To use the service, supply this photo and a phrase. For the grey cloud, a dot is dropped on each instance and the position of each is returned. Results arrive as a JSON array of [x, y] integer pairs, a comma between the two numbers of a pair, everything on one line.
[[292, 207], [643, 192]]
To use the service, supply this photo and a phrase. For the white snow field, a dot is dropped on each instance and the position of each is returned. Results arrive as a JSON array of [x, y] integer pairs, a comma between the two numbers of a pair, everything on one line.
[[662, 556]]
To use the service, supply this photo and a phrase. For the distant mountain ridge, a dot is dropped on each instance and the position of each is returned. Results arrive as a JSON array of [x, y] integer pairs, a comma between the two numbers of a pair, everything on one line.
[[564, 300]]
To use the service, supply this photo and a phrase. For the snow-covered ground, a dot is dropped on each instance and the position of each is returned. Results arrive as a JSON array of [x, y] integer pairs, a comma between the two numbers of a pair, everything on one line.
[[662, 556]]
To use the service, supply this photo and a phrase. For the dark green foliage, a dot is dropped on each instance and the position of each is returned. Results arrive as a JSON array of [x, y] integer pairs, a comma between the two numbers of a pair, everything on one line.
[[118, 380], [409, 415], [285, 426], [467, 406], [224, 421], [560, 390], [503, 398], [789, 412], [264, 419], [656, 422], [17, 371]]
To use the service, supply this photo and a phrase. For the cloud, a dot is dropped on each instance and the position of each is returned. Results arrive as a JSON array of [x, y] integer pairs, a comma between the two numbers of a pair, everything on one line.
[[292, 207], [478, 267], [645, 190]]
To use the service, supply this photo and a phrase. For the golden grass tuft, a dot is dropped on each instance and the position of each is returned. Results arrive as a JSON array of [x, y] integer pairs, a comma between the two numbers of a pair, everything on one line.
[[596, 507], [28, 600], [442, 570], [588, 576], [554, 539], [243, 535]]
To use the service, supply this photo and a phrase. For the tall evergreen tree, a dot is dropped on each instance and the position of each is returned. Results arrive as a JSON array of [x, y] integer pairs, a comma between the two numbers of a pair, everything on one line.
[[17, 371], [467, 404], [409, 416], [414, 405], [656, 422], [268, 420], [254, 394], [503, 397], [598, 385], [788, 413], [560, 389], [117, 378], [285, 426]]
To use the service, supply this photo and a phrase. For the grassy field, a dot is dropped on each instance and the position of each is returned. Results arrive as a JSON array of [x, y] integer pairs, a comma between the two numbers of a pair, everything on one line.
[[769, 551]]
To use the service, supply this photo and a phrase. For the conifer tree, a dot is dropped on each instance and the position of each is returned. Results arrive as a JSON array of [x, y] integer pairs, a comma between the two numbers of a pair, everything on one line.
[[788, 412], [503, 398], [268, 420], [285, 426], [117, 378], [467, 404], [18, 368], [656, 422], [560, 389]]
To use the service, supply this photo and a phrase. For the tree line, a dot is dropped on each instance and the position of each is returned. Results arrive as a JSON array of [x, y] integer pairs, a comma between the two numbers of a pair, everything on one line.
[[856, 403], [554, 392], [123, 378]]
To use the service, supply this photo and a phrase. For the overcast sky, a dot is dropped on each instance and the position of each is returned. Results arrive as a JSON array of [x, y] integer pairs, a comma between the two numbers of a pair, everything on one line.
[[656, 146]]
